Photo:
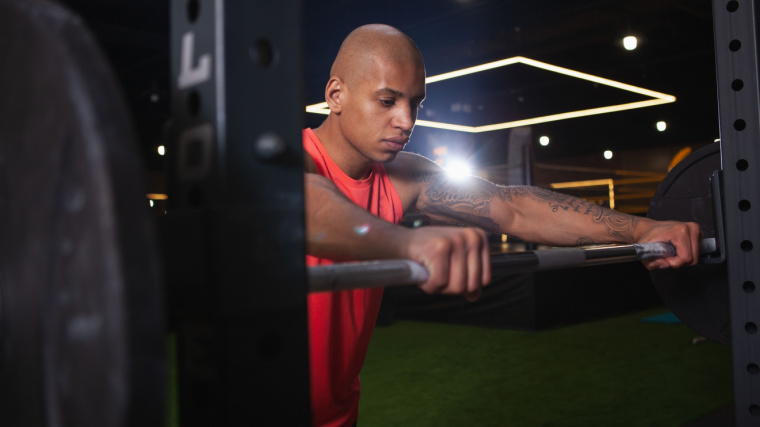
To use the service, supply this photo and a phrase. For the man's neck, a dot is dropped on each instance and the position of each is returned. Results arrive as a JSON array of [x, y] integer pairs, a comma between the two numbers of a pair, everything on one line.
[[351, 162]]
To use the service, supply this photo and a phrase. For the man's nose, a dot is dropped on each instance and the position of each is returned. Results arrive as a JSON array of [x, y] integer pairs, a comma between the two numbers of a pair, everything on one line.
[[405, 118]]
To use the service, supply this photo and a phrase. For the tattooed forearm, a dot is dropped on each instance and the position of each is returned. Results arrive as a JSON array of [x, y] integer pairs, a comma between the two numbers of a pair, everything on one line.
[[619, 226], [447, 198], [473, 203], [485, 223]]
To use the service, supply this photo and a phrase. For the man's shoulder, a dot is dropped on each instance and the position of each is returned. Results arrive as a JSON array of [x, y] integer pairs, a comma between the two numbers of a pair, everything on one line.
[[406, 162], [411, 168]]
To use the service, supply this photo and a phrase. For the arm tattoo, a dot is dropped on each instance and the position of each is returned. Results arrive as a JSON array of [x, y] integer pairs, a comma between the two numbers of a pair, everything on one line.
[[619, 226], [471, 203]]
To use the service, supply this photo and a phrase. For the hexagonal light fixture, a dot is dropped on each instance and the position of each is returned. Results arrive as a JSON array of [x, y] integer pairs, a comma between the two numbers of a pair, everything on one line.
[[657, 97]]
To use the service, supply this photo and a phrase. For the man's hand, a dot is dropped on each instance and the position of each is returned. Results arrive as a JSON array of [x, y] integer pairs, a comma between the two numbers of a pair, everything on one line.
[[684, 236], [457, 259]]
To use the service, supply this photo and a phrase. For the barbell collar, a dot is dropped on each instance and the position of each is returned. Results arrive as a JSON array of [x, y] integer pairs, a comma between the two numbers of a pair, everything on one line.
[[397, 272]]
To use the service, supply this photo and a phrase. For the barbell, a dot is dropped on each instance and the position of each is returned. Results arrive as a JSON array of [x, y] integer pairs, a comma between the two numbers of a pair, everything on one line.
[[82, 314], [397, 272]]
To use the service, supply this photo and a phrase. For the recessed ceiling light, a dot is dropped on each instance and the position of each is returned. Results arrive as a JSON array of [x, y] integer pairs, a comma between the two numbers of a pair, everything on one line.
[[630, 43]]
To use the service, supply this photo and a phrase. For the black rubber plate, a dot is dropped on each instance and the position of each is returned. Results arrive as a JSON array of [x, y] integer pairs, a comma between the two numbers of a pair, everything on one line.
[[81, 329], [697, 295]]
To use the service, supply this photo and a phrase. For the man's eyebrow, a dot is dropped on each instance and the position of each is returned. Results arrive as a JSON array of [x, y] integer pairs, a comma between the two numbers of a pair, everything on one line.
[[389, 91]]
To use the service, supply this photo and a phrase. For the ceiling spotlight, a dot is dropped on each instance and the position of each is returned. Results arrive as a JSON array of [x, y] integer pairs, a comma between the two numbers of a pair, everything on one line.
[[544, 140], [161, 150], [661, 126], [458, 169], [607, 154], [630, 42]]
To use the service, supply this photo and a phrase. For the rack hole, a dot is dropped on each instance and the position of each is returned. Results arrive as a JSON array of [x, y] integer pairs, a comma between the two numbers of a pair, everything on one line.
[[734, 45], [193, 10], [732, 6], [263, 53], [751, 328], [748, 287], [754, 410], [744, 205], [740, 124], [742, 165], [737, 85], [194, 103], [746, 246]]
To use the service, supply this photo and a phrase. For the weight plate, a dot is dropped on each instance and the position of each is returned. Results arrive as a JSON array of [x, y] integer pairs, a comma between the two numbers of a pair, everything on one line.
[[697, 295], [81, 325]]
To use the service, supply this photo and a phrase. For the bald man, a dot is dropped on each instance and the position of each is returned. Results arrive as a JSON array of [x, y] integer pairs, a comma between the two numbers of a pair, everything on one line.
[[359, 183]]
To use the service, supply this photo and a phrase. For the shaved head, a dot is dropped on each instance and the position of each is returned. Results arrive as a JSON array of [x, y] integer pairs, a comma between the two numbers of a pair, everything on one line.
[[368, 44], [375, 90]]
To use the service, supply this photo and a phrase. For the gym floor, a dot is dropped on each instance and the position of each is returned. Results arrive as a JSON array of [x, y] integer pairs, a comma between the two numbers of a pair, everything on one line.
[[621, 371]]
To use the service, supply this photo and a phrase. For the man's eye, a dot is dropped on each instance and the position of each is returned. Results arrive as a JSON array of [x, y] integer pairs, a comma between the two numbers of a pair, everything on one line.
[[386, 102]]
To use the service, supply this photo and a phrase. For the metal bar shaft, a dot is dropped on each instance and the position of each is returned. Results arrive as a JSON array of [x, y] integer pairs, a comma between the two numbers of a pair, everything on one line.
[[352, 275]]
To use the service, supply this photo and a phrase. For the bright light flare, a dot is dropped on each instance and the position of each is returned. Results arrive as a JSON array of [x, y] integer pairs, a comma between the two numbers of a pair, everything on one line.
[[661, 126], [607, 154], [458, 169], [161, 150], [544, 141]]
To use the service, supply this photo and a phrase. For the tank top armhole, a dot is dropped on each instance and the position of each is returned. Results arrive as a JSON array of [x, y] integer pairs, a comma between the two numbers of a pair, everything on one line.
[[398, 207]]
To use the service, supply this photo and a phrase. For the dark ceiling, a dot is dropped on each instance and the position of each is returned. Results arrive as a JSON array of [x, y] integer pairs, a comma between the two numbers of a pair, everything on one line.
[[675, 56]]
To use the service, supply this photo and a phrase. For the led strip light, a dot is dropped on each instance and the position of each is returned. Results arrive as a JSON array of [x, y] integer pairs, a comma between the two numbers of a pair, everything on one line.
[[657, 97]]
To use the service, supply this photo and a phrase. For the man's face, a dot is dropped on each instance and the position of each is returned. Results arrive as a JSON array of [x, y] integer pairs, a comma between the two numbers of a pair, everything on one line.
[[380, 109]]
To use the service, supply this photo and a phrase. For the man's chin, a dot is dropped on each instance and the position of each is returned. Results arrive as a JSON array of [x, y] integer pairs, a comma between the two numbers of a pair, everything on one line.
[[387, 157]]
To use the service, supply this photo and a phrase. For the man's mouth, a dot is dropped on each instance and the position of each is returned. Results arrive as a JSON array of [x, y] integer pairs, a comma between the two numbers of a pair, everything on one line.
[[396, 143]]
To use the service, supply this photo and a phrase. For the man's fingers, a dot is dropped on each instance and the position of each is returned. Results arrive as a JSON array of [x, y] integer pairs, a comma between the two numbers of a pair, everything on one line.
[[437, 263], [459, 266], [485, 259], [459, 263]]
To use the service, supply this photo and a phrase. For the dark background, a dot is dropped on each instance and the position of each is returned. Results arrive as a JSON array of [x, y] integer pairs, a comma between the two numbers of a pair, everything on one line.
[[674, 56]]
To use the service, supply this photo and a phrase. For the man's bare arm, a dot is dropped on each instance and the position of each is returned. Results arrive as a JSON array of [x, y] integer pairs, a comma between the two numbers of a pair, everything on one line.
[[456, 258], [530, 213], [338, 229], [533, 214]]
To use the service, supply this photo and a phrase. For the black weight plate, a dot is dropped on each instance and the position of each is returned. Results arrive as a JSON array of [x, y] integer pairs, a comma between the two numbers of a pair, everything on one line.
[[697, 295], [81, 334]]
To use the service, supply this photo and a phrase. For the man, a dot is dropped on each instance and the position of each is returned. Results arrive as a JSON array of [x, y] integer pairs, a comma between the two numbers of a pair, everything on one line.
[[359, 184]]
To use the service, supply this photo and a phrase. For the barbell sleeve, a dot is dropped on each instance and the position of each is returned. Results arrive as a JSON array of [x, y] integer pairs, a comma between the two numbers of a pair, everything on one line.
[[396, 272]]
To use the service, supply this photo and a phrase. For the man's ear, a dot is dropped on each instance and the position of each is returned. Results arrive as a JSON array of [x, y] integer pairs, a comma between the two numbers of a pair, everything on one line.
[[334, 92]]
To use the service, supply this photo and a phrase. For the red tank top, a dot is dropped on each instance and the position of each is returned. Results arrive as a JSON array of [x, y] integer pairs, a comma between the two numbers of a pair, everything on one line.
[[341, 323]]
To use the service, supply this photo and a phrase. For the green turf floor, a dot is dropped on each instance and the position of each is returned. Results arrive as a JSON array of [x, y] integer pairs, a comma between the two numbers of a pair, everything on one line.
[[614, 372]]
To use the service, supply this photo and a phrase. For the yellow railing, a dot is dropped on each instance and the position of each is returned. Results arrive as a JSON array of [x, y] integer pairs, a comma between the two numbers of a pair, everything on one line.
[[610, 183]]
